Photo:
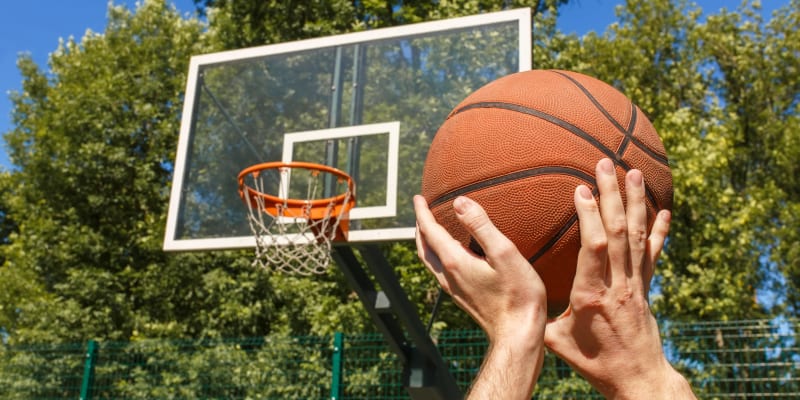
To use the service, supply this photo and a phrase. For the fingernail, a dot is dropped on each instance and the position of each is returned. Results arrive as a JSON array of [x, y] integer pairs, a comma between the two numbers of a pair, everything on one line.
[[462, 204], [665, 215], [635, 177], [584, 192], [607, 166]]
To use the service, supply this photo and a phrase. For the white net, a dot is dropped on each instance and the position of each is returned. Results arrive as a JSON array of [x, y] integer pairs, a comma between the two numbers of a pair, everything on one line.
[[291, 239]]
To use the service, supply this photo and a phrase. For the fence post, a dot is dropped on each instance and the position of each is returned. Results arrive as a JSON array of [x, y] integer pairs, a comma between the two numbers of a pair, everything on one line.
[[88, 370], [336, 378]]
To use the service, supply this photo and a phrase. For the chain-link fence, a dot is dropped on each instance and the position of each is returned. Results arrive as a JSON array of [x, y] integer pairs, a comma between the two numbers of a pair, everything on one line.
[[737, 359]]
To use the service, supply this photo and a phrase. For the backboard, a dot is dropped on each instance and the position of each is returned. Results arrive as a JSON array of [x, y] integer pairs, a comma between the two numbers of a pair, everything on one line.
[[368, 103]]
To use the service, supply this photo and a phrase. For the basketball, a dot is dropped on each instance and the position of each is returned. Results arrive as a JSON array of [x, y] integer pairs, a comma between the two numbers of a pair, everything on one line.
[[520, 145]]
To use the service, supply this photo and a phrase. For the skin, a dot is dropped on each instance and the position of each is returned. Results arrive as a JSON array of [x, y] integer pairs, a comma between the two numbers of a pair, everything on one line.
[[608, 334], [513, 317]]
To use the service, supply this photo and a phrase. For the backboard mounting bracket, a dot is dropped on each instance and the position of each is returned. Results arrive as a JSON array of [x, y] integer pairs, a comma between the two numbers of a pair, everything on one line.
[[425, 373]]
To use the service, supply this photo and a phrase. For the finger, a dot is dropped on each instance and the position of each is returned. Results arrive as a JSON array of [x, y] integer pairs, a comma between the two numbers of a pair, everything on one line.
[[435, 235], [655, 243], [591, 269], [434, 243], [424, 252], [432, 263], [499, 250], [636, 214], [612, 212], [428, 257]]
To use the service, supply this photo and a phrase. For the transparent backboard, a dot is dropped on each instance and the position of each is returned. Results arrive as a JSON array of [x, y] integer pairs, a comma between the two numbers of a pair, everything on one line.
[[368, 103]]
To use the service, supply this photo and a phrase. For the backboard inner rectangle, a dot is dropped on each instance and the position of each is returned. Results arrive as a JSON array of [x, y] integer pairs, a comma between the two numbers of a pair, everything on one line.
[[378, 144]]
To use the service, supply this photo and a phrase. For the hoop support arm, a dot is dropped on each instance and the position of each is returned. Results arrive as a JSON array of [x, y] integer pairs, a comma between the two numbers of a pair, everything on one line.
[[425, 373]]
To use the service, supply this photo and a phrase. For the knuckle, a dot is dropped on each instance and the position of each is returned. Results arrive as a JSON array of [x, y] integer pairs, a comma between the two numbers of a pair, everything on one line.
[[632, 300], [626, 296], [618, 226], [587, 300], [596, 243], [449, 261], [638, 236], [475, 221], [505, 248], [590, 207]]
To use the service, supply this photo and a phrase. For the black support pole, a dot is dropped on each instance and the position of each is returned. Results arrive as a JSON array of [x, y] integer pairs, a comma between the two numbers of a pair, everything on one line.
[[426, 375]]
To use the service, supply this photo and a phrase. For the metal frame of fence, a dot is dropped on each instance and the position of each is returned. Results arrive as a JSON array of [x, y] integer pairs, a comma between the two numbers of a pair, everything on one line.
[[735, 359]]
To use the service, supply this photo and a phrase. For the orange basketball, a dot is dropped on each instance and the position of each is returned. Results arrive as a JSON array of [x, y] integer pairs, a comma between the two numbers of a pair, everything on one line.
[[520, 145]]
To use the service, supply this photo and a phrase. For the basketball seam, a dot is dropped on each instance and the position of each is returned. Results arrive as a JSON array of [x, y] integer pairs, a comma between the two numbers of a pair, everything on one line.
[[627, 132], [549, 118], [517, 176], [510, 177], [553, 240], [561, 123], [643, 147], [593, 100]]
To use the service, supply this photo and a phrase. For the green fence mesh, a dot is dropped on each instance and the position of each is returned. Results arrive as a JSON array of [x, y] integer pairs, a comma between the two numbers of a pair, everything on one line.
[[738, 359], [47, 371], [260, 368]]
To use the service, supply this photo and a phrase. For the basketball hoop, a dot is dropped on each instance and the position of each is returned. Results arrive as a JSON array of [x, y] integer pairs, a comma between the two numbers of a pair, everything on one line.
[[294, 230]]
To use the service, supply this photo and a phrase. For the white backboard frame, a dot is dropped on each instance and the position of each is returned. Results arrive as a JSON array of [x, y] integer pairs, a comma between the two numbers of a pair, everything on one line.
[[521, 16]]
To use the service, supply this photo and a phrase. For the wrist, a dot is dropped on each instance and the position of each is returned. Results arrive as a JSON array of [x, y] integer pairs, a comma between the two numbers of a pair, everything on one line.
[[522, 329], [510, 369], [522, 344], [664, 382]]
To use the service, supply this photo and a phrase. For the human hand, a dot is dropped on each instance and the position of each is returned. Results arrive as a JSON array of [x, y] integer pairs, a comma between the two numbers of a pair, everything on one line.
[[608, 334], [500, 291]]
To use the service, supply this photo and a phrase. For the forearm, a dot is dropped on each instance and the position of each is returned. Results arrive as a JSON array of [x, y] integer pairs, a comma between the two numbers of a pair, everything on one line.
[[508, 372]]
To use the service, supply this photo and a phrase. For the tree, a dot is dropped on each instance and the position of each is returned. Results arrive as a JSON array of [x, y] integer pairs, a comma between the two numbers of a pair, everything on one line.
[[723, 96], [246, 23], [92, 143]]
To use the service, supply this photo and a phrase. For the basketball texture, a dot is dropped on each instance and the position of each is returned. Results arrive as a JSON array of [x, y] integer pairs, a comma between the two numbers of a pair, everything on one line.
[[520, 145]]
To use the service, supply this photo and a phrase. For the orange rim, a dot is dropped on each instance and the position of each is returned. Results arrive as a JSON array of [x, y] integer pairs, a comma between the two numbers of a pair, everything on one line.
[[247, 193]]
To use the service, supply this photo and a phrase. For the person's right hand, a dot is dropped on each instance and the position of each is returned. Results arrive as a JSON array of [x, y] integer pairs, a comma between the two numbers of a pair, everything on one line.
[[608, 334], [501, 291]]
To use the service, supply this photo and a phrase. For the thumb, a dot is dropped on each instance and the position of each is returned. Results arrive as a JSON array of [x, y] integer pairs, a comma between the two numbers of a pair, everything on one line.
[[557, 334], [475, 220]]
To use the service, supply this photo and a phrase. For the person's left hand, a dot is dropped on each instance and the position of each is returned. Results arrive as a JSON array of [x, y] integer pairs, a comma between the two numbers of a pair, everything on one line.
[[608, 334]]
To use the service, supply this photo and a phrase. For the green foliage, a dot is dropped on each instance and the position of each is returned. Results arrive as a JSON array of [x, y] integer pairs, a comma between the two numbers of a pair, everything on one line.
[[39, 372], [245, 23], [94, 141], [721, 359], [722, 92], [272, 367]]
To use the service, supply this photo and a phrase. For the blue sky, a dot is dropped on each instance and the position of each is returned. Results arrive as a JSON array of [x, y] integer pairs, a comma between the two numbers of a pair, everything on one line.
[[35, 26]]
